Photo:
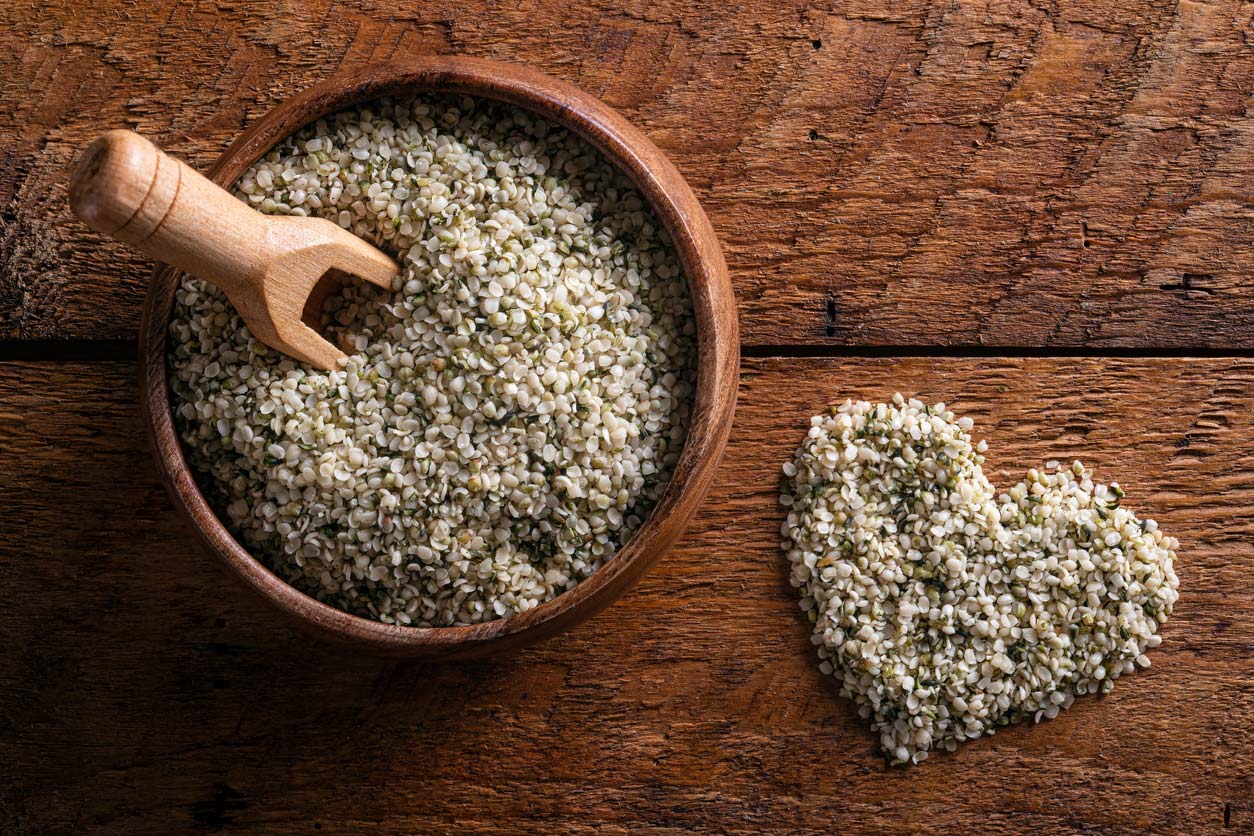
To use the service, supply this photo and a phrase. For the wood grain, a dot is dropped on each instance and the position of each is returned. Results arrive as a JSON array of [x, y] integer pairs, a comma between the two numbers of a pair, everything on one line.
[[144, 693], [1075, 173]]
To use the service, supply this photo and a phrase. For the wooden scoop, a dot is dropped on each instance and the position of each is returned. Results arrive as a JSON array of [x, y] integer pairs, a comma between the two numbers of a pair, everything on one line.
[[268, 266]]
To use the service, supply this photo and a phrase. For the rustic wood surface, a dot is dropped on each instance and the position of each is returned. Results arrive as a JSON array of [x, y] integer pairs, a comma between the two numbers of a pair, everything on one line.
[[146, 693], [1005, 172], [1069, 180]]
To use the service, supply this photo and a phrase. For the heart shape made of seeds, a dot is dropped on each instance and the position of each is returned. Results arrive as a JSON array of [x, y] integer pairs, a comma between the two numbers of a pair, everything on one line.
[[945, 610]]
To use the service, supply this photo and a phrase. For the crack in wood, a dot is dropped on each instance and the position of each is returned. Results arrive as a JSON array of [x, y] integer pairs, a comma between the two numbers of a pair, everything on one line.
[[1191, 282], [220, 808]]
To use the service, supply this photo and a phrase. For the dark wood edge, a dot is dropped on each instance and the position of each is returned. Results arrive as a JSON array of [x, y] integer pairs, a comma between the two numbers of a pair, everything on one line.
[[718, 353]]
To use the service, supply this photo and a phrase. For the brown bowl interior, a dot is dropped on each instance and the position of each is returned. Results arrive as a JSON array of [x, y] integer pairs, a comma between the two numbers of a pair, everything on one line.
[[717, 372]]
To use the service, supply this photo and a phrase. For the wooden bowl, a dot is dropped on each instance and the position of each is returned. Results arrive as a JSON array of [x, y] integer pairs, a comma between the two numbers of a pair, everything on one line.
[[717, 354]]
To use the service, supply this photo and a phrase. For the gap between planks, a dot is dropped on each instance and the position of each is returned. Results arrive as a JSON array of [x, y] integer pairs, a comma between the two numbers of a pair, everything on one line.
[[88, 350]]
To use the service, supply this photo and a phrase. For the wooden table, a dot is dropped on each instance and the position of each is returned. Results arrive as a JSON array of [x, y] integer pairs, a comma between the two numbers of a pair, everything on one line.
[[1041, 213]]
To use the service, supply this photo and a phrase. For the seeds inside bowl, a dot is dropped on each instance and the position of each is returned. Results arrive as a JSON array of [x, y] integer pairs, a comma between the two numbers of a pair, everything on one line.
[[507, 418]]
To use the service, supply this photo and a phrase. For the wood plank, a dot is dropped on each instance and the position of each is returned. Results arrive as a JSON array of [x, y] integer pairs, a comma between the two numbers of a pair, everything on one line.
[[1076, 173], [144, 692]]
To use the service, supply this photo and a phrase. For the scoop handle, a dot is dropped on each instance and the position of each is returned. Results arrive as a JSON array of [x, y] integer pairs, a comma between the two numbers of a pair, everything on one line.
[[125, 187]]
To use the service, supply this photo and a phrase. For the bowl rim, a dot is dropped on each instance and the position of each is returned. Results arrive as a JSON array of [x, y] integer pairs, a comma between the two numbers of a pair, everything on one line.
[[671, 199]]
